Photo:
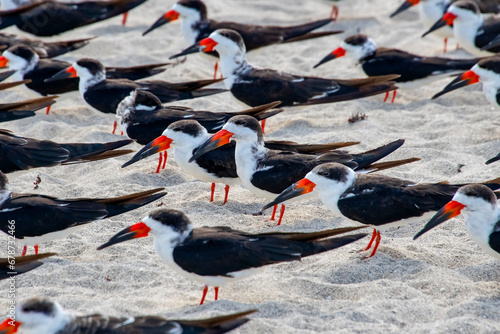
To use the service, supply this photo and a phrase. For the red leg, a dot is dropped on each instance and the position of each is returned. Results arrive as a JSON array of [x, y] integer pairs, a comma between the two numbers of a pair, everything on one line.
[[458, 46], [386, 96], [377, 242], [159, 163], [124, 20], [282, 212], [165, 156], [335, 13], [226, 189], [205, 290], [371, 241], [25, 250], [216, 67], [212, 194], [36, 249], [216, 292], [114, 127], [48, 109], [263, 125], [445, 44], [393, 96], [121, 133], [274, 211]]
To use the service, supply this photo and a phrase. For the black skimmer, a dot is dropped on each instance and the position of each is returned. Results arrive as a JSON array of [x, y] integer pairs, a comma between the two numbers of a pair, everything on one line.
[[219, 255], [23, 109], [196, 25], [479, 206], [217, 166], [471, 29], [28, 65], [43, 49], [430, 12], [48, 317], [48, 18], [256, 86], [42, 218], [414, 70], [487, 71], [19, 153], [20, 265], [143, 118], [376, 200], [105, 94], [266, 172]]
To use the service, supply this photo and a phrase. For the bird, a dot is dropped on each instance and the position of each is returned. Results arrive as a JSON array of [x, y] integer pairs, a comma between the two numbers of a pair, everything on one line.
[[43, 49], [42, 315], [20, 153], [430, 11], [266, 172], [23, 109], [49, 18], [142, 117], [487, 71], [473, 31], [219, 255], [256, 86], [105, 94], [376, 200], [196, 25], [11, 266], [41, 218], [217, 166], [28, 65], [414, 70], [478, 204]]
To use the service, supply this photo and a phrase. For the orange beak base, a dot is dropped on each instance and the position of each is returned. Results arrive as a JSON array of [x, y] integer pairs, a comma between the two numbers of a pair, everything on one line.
[[3, 61], [208, 43]]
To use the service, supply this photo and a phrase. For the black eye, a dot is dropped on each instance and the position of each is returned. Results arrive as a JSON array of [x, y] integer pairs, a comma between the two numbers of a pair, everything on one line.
[[240, 122], [176, 129]]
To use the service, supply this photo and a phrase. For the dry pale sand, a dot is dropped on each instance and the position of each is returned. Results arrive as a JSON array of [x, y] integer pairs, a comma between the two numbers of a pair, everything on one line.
[[442, 283]]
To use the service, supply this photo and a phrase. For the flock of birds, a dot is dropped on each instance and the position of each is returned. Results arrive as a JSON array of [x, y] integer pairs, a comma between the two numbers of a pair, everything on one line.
[[228, 148]]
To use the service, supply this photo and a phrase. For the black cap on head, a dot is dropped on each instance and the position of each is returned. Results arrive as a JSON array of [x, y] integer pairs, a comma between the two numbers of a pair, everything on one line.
[[333, 171], [36, 305], [356, 40], [490, 64], [92, 65], [22, 51], [197, 5], [146, 99], [248, 122], [188, 126], [232, 35], [479, 191], [468, 5], [176, 219]]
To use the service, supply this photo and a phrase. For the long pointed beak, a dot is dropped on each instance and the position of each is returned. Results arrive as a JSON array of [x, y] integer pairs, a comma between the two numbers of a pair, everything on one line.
[[159, 144], [219, 139], [195, 48], [337, 53], [450, 210], [3, 61], [467, 78], [69, 72], [135, 231], [301, 187], [447, 19], [9, 326], [166, 18], [407, 4], [208, 43]]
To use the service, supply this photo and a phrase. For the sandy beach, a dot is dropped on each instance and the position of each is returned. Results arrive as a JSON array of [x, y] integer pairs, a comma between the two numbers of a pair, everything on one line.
[[441, 283]]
